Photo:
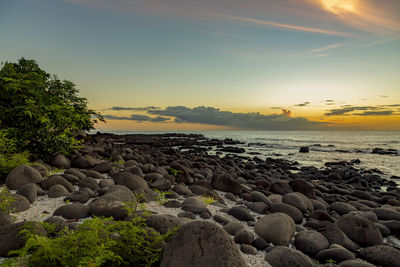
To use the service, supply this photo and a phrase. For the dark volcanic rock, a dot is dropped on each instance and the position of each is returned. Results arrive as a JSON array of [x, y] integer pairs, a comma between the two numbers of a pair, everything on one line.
[[277, 228], [287, 257], [22, 175], [72, 211], [133, 182], [5, 219], [18, 204], [381, 255], [29, 191], [360, 230], [61, 162], [310, 242], [304, 149], [293, 212], [241, 213], [338, 254], [57, 190], [163, 223], [224, 182], [56, 179], [195, 245]]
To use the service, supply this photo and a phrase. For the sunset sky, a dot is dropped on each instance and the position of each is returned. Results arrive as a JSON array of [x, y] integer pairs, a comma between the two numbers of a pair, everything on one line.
[[218, 64]]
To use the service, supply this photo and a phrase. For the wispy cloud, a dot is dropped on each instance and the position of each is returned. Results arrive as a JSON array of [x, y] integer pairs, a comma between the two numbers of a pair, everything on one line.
[[304, 104], [117, 108], [284, 25], [378, 110], [137, 118]]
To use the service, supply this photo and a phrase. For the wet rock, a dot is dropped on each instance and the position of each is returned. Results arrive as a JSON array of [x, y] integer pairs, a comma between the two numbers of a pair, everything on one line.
[[194, 245], [304, 149], [277, 228]]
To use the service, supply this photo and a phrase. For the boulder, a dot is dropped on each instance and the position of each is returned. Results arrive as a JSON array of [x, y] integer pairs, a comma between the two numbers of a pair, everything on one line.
[[248, 249], [355, 263], [241, 213], [83, 162], [360, 230], [133, 182], [72, 211], [293, 212], [225, 182], [195, 245], [22, 175], [381, 255], [277, 228], [310, 242], [19, 203], [56, 179], [29, 191], [163, 223], [342, 208], [304, 149], [57, 190], [233, 228], [5, 219], [387, 214], [243, 237], [256, 196], [287, 257], [61, 162], [338, 254], [281, 188], [335, 235]]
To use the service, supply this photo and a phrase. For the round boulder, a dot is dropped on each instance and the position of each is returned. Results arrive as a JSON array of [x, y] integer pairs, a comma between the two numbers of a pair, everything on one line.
[[29, 191], [22, 175], [61, 162], [195, 245], [277, 228], [57, 190], [310, 242], [72, 211], [381, 255], [287, 257]]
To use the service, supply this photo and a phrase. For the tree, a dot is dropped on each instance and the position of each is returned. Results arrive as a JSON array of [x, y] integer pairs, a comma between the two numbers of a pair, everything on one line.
[[41, 111]]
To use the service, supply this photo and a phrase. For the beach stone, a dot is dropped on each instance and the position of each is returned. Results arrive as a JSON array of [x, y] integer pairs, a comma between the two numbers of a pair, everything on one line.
[[106, 183], [277, 228], [225, 182], [304, 187], [205, 215], [21, 175], [60, 223], [310, 242], [19, 203], [29, 191], [153, 176], [80, 196], [393, 226], [75, 172], [5, 218], [355, 263], [173, 203], [102, 167], [387, 214], [221, 219], [338, 254], [304, 149], [381, 255], [161, 184], [360, 230], [241, 213], [194, 201], [318, 205], [112, 203], [243, 237], [71, 178], [57, 190], [83, 162], [275, 198], [42, 168], [133, 182], [385, 231], [259, 243], [72, 211], [182, 190], [163, 223], [61, 162], [335, 235], [231, 197], [194, 245], [259, 207], [135, 170], [294, 200], [287, 257], [342, 208], [293, 212], [248, 249], [321, 215], [94, 174], [56, 179], [10, 239], [233, 228], [281, 188], [90, 183], [260, 197]]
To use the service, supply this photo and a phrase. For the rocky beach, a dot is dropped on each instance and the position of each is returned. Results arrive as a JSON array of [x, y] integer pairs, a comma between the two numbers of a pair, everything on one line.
[[231, 209]]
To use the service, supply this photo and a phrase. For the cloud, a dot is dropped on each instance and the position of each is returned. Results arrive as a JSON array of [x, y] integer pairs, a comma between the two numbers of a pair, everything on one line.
[[134, 108], [384, 96], [303, 104], [251, 121], [138, 118], [379, 110], [329, 100]]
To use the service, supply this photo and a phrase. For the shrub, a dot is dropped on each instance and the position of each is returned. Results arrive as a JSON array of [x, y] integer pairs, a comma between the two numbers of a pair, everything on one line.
[[5, 199], [96, 242], [41, 112]]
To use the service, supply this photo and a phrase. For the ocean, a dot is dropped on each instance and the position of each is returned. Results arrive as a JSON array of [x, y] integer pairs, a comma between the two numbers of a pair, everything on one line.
[[324, 146]]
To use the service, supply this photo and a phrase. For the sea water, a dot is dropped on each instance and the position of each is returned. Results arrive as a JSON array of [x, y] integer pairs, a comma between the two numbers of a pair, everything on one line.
[[324, 146]]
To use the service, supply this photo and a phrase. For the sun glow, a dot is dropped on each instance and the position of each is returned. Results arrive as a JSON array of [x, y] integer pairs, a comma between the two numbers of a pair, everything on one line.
[[340, 6]]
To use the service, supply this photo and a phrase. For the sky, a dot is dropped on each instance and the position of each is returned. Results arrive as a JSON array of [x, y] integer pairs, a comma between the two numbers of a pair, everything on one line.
[[218, 64]]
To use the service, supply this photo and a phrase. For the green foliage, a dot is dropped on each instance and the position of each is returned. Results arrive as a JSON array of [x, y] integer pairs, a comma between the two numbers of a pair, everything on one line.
[[330, 261], [161, 199], [174, 172], [96, 242], [208, 199], [5, 199], [41, 112]]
